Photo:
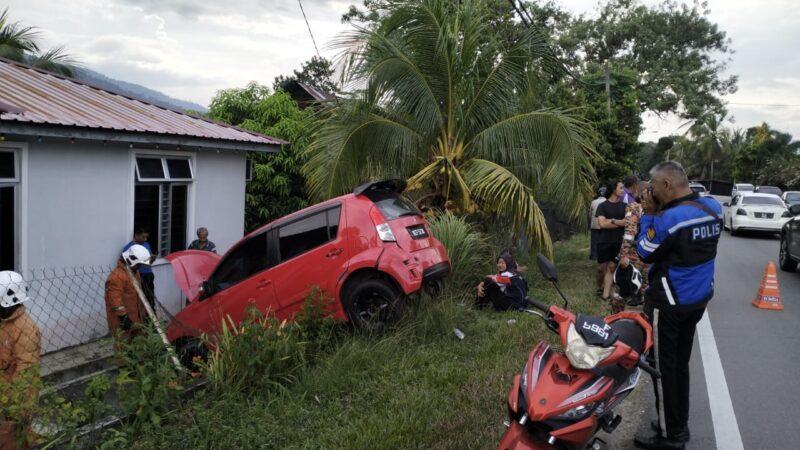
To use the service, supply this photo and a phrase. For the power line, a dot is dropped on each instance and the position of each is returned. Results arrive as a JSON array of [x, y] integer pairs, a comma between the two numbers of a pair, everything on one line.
[[785, 105], [299, 2]]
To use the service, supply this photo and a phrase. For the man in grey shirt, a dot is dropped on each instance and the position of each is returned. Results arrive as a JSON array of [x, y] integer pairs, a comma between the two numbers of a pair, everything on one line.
[[202, 242]]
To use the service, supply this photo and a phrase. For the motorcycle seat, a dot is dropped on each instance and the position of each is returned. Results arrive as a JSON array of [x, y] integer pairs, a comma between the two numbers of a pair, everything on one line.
[[629, 332]]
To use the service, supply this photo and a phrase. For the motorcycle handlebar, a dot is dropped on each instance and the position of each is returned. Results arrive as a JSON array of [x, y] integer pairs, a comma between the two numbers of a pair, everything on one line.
[[542, 306], [648, 368]]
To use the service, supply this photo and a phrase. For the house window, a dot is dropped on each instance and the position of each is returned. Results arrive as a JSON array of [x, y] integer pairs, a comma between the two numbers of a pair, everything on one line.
[[8, 212], [248, 170], [161, 199]]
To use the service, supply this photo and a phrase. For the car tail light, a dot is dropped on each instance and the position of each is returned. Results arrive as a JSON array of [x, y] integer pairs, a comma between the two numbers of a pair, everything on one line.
[[741, 212], [381, 226]]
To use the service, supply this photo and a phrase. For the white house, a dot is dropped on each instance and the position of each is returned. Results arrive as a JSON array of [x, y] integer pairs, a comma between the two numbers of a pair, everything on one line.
[[80, 167]]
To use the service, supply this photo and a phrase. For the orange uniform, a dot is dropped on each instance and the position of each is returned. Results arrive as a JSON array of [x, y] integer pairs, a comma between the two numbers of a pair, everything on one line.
[[20, 349], [121, 299]]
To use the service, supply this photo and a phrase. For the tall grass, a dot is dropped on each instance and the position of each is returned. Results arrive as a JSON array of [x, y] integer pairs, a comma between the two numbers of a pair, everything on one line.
[[467, 248]]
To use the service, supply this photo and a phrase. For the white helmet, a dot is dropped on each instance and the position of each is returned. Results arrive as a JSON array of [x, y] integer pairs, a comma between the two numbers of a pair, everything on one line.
[[13, 289], [137, 254]]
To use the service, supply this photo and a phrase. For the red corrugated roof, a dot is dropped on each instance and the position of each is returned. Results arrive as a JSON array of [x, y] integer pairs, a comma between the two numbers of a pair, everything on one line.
[[46, 98]]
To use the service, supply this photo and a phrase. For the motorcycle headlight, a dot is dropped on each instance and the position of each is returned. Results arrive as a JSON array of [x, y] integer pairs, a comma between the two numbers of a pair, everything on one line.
[[576, 413], [582, 355]]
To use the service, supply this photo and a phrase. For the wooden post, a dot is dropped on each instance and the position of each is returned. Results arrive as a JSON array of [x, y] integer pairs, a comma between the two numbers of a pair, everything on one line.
[[154, 319]]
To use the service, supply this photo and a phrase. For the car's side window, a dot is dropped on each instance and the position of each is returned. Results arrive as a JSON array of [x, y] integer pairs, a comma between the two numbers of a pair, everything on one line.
[[249, 258], [308, 233]]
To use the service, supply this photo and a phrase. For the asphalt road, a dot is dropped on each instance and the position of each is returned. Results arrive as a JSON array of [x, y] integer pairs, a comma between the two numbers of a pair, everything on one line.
[[759, 351]]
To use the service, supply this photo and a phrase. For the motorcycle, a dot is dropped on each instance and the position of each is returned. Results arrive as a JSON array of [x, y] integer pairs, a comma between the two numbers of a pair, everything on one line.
[[562, 398]]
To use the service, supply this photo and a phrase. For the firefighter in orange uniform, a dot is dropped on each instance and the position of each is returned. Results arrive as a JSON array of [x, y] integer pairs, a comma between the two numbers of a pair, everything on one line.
[[123, 309], [20, 349]]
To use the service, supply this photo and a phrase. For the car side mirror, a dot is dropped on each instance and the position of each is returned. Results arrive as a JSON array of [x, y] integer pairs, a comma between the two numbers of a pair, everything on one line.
[[726, 204], [795, 210], [547, 268]]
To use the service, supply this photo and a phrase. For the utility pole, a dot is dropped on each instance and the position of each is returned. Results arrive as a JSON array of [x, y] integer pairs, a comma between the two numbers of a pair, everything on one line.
[[608, 89]]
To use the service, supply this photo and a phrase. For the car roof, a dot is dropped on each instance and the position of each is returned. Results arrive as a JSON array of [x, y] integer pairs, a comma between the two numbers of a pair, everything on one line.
[[743, 184], [759, 194], [289, 217]]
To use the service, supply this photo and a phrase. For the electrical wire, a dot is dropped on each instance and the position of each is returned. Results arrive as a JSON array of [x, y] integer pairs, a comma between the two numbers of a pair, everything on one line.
[[299, 2]]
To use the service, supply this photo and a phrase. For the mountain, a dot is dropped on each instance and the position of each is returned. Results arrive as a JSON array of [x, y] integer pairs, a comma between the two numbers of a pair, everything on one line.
[[137, 91]]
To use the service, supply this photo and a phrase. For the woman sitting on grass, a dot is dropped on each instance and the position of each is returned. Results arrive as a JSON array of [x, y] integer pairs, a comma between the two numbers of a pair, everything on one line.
[[504, 291]]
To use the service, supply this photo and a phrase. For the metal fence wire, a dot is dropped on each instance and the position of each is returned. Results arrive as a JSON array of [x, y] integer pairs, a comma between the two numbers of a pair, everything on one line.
[[68, 305]]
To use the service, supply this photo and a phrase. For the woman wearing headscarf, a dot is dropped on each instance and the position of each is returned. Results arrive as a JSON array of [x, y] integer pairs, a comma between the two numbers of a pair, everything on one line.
[[505, 290]]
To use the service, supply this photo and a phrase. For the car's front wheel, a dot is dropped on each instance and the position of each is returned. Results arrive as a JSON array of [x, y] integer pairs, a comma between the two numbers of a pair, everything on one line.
[[785, 261], [373, 303]]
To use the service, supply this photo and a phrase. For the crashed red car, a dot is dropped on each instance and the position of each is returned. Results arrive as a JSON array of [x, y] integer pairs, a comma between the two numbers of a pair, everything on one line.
[[368, 251]]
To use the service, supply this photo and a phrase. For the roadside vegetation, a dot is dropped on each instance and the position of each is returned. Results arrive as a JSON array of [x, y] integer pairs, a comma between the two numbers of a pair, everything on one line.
[[319, 384]]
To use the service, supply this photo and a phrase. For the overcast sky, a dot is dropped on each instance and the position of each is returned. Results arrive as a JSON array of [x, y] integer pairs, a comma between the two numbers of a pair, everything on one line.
[[189, 49]]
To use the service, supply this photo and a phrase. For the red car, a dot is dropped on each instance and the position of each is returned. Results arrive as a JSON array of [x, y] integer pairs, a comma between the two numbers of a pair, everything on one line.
[[367, 251]]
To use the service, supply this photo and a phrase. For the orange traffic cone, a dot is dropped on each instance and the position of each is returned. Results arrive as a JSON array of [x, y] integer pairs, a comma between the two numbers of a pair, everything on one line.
[[769, 295]]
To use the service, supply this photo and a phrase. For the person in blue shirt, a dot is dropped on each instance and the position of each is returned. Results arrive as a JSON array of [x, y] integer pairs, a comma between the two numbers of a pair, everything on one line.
[[679, 233], [140, 236]]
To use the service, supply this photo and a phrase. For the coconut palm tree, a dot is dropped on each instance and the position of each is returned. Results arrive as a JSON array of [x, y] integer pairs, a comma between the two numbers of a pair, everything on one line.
[[710, 136], [19, 43], [440, 98]]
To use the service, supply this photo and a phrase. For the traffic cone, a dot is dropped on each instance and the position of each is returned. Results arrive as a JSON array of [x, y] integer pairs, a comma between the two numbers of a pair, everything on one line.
[[769, 294]]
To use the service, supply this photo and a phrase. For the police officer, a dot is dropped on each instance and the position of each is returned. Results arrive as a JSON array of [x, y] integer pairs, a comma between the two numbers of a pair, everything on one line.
[[678, 235]]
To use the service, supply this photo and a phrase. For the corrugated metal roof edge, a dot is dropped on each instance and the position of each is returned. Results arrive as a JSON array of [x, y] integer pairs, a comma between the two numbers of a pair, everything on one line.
[[183, 113]]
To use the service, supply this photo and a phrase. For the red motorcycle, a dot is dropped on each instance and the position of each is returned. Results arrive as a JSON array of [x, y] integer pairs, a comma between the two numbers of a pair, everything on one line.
[[561, 399]]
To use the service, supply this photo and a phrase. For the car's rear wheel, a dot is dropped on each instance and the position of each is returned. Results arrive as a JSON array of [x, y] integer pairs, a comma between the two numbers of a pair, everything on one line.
[[734, 232], [373, 303], [785, 261], [189, 350]]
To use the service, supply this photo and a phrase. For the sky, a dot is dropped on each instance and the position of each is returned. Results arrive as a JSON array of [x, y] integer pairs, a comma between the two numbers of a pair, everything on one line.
[[190, 49]]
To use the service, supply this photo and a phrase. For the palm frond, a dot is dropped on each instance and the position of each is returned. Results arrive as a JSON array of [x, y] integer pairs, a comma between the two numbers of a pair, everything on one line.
[[55, 60], [499, 191], [15, 39]]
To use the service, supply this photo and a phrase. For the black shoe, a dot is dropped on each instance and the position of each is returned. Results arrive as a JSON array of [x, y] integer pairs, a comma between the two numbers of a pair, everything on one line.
[[635, 301], [655, 441], [684, 436]]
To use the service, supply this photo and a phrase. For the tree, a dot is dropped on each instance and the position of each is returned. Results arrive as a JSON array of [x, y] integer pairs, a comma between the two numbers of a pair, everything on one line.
[[278, 186], [317, 72], [673, 47], [19, 43], [764, 152], [442, 99], [710, 138]]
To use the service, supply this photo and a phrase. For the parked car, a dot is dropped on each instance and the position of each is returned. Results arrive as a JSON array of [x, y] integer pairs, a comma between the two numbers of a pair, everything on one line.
[[738, 188], [698, 188], [367, 251], [789, 255], [756, 212], [791, 198], [768, 190]]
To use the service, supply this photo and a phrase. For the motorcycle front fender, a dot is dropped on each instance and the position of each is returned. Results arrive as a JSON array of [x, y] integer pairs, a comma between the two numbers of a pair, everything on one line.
[[517, 438]]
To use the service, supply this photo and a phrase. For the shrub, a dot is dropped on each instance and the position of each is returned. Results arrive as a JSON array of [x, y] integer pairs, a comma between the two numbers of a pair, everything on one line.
[[259, 354], [318, 330], [467, 248]]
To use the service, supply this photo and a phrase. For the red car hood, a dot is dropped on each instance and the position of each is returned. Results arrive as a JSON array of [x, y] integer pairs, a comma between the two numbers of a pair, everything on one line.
[[191, 268]]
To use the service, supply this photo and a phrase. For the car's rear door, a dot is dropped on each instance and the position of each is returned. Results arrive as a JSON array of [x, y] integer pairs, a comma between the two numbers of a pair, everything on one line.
[[312, 252]]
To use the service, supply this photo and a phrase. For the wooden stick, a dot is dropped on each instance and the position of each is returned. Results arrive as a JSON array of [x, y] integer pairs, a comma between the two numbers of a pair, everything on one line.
[[154, 319]]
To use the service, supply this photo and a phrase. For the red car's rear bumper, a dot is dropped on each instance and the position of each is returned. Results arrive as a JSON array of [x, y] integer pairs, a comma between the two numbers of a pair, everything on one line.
[[412, 269]]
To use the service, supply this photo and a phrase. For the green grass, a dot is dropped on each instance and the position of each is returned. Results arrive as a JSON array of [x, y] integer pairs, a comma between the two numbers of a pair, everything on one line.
[[417, 386]]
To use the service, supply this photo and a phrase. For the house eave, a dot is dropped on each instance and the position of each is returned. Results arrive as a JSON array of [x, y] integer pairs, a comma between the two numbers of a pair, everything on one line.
[[134, 138]]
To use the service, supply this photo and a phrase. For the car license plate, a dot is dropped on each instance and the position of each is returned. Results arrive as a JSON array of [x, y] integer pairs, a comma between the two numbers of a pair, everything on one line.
[[417, 232], [763, 215]]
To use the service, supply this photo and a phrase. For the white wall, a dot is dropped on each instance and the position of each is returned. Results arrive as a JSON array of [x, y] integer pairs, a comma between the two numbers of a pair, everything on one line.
[[79, 216]]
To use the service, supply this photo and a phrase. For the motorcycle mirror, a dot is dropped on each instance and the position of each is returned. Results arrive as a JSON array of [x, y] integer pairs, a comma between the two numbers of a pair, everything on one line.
[[550, 273], [547, 268]]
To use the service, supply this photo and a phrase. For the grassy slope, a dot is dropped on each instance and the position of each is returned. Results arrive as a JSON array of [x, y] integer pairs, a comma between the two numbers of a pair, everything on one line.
[[416, 386]]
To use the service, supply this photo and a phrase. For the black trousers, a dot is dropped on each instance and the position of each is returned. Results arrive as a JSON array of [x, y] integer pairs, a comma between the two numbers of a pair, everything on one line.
[[149, 288], [673, 336]]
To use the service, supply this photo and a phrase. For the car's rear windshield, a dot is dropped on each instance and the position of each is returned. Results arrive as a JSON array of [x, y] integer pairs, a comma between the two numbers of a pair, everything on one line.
[[753, 200], [744, 187], [392, 204], [769, 190], [697, 189]]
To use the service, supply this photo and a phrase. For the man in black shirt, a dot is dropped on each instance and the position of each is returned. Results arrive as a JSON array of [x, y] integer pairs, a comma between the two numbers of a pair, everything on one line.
[[611, 218]]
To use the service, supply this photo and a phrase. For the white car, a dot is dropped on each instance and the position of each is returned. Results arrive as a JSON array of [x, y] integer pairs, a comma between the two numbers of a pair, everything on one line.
[[698, 189], [739, 188], [757, 212], [791, 198]]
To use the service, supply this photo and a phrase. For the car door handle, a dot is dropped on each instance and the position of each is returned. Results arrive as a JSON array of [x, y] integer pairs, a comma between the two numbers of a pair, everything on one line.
[[334, 252], [263, 284]]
